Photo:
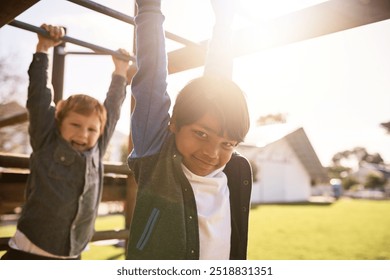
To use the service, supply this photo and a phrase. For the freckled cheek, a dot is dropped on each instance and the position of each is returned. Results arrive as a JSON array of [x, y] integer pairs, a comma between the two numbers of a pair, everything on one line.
[[93, 140]]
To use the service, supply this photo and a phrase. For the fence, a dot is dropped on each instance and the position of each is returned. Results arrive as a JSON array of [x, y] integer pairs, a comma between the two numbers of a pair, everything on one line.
[[118, 186]]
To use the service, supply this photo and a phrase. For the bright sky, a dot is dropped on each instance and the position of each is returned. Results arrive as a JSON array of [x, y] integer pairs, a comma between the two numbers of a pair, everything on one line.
[[336, 87]]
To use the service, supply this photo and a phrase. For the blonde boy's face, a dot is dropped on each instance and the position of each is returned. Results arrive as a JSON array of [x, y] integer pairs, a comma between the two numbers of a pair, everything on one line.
[[201, 146], [82, 132]]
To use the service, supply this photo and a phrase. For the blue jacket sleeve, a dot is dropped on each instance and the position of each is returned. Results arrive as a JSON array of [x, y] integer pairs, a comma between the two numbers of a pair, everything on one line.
[[150, 118], [219, 59]]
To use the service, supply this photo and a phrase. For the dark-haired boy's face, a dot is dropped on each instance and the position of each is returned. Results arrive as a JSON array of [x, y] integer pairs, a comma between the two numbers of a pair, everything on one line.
[[203, 148]]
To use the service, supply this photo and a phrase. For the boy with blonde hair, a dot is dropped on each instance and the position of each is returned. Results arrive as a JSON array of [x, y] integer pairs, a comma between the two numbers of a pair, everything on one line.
[[66, 172]]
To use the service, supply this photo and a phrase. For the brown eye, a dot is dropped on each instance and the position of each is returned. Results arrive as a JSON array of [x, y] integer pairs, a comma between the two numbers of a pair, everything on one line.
[[229, 145], [200, 133]]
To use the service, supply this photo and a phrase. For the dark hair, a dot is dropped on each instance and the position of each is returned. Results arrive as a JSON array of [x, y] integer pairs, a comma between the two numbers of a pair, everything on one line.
[[83, 105], [217, 95]]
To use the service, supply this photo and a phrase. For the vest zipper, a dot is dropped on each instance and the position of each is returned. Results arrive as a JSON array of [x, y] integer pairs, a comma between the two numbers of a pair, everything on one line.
[[148, 229]]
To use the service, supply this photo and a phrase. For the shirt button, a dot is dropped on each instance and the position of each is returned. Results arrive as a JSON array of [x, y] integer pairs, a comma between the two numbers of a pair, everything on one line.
[[244, 209], [62, 158], [192, 251], [190, 217], [246, 182], [185, 189]]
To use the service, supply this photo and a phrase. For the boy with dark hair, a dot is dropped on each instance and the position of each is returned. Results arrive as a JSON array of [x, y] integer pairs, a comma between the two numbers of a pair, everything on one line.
[[193, 188]]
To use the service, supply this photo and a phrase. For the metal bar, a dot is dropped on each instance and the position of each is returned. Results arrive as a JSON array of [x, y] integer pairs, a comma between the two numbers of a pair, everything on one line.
[[104, 10], [128, 19], [9, 160], [122, 234], [58, 72], [43, 32], [110, 234], [85, 53]]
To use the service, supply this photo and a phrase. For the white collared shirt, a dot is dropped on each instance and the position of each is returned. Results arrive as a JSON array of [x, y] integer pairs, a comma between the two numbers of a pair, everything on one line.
[[213, 205], [20, 242]]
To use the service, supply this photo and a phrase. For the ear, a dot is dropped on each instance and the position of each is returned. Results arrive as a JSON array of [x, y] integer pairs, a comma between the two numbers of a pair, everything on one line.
[[60, 105]]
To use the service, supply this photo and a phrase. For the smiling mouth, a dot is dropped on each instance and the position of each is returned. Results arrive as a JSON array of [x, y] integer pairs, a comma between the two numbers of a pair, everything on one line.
[[205, 163], [78, 146]]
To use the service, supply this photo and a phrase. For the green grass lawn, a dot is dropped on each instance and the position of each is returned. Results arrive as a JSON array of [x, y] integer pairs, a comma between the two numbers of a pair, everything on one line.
[[345, 230], [101, 250]]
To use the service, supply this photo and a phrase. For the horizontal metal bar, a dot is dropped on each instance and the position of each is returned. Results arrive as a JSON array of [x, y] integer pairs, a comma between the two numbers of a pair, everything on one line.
[[110, 234], [9, 160], [85, 53], [104, 10], [96, 48], [122, 234], [128, 19]]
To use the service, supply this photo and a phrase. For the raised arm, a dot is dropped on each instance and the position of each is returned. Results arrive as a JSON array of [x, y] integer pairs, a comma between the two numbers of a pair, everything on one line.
[[149, 121], [40, 95], [115, 97], [219, 59]]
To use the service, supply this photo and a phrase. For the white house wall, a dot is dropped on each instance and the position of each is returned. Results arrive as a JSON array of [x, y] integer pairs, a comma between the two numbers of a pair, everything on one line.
[[298, 186], [281, 176]]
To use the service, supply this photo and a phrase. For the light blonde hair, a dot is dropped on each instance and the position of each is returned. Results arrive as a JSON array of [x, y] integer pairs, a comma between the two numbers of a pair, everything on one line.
[[81, 104]]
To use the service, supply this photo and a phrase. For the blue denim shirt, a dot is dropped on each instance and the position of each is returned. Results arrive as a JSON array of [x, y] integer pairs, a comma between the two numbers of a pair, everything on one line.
[[165, 221], [64, 186]]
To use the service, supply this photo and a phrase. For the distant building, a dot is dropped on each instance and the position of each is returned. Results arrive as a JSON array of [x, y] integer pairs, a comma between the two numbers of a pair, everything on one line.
[[284, 162]]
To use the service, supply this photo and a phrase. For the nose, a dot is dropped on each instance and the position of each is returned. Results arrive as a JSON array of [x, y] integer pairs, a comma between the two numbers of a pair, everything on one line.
[[83, 133], [211, 150]]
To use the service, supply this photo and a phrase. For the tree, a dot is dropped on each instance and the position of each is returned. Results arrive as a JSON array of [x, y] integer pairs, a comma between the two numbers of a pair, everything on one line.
[[349, 182], [375, 181], [13, 138], [338, 171], [271, 119], [11, 82], [359, 154]]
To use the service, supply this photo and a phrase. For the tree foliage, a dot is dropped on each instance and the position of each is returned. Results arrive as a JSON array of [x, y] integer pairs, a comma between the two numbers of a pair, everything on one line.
[[13, 139], [338, 171], [271, 119], [359, 154], [11, 82], [348, 182], [375, 181]]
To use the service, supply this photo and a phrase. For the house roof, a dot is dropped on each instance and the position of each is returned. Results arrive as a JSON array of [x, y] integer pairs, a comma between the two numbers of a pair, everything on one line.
[[297, 139], [301, 145]]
